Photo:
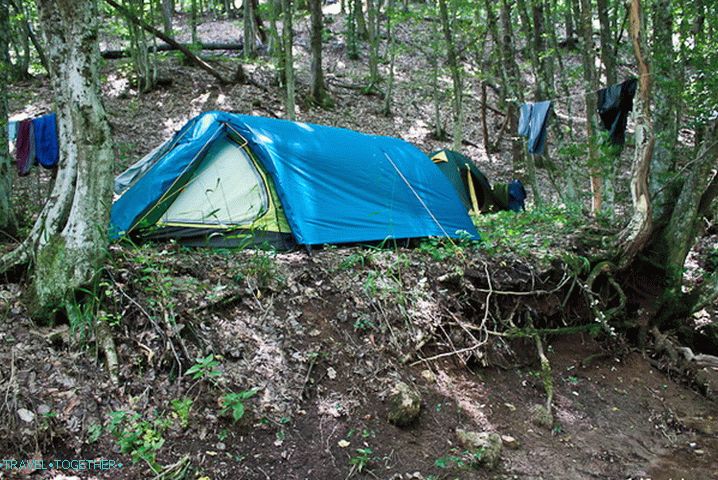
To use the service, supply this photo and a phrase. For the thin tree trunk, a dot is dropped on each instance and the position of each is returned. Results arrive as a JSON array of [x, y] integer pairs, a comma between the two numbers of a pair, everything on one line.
[[7, 215], [590, 81], [373, 36], [319, 90], [351, 31], [250, 37], [392, 55], [638, 231], [167, 13], [288, 41], [69, 238], [455, 68], [193, 21], [667, 102], [359, 19], [608, 50]]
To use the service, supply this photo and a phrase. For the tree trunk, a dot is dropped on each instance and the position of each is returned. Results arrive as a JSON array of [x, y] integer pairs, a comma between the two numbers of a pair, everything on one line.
[[193, 21], [288, 41], [359, 19], [250, 37], [167, 13], [319, 90], [455, 68], [373, 36], [392, 56], [590, 81], [351, 32], [667, 102], [514, 94], [69, 239], [7, 216], [608, 51], [638, 231]]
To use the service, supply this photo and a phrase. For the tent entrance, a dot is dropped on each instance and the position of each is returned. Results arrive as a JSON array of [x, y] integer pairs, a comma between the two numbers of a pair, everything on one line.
[[226, 190]]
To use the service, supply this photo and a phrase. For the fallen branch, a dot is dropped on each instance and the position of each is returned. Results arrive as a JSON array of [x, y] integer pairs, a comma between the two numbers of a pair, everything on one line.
[[169, 40], [124, 53]]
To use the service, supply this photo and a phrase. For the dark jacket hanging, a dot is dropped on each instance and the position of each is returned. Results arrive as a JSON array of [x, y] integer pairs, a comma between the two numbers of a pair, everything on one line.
[[614, 104]]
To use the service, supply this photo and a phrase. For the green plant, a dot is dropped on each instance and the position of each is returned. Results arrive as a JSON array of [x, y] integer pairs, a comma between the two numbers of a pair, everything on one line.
[[364, 324], [362, 459], [93, 432], [204, 368], [138, 437], [234, 402], [181, 408]]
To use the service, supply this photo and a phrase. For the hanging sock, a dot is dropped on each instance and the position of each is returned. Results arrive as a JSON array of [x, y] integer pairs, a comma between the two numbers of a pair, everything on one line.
[[614, 103], [46, 149], [24, 148], [533, 118]]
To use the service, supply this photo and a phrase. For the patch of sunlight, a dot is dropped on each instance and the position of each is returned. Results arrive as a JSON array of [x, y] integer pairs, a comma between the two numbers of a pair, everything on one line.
[[418, 131], [220, 99], [333, 9], [115, 85], [305, 126], [198, 103], [172, 125]]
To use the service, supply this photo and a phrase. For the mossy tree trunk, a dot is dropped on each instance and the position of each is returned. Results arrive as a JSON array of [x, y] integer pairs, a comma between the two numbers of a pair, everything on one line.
[[68, 243], [7, 217]]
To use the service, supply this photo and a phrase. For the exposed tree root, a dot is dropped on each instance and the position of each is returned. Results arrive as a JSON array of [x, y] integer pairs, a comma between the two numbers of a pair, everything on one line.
[[106, 343]]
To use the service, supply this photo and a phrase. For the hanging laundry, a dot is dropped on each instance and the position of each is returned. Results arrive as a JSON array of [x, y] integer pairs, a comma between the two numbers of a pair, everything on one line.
[[24, 148], [532, 124], [614, 103], [12, 131], [46, 149]]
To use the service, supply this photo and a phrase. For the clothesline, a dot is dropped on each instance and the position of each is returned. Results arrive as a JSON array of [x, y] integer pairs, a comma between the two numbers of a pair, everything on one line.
[[584, 93]]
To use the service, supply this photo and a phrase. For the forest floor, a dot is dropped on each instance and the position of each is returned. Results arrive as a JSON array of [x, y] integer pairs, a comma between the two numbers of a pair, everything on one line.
[[326, 338]]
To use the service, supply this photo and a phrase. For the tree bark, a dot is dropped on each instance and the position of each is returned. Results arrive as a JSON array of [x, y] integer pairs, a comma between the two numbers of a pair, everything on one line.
[[638, 231], [319, 89], [288, 45], [69, 239], [7, 216]]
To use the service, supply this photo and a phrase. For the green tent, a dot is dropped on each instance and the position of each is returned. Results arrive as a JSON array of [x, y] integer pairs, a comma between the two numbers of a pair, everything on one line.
[[470, 183]]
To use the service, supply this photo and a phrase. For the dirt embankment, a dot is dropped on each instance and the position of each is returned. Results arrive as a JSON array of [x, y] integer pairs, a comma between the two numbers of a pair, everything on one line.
[[313, 348]]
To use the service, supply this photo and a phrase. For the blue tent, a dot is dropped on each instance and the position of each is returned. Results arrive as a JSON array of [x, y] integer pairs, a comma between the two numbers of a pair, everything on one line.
[[227, 176]]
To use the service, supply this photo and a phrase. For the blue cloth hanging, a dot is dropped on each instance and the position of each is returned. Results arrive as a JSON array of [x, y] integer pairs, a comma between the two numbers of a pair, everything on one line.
[[46, 148], [11, 131], [532, 124]]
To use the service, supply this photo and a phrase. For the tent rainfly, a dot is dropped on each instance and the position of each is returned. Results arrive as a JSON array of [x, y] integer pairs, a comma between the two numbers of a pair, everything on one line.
[[227, 179]]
